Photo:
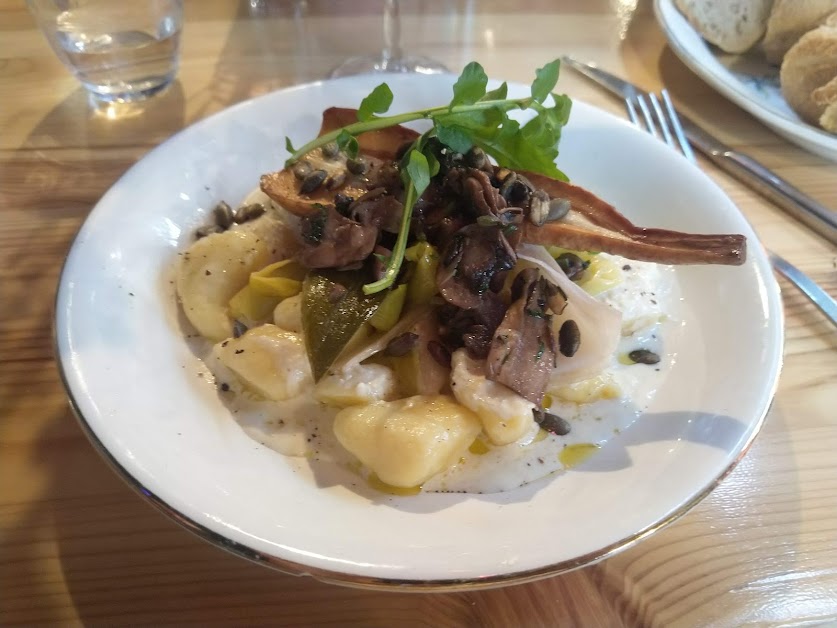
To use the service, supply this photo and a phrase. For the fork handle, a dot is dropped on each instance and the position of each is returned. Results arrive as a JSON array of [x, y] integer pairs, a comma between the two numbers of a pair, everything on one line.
[[792, 200]]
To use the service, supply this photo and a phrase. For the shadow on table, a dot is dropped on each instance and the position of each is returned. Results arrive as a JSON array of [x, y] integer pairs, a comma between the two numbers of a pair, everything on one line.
[[78, 123], [123, 562]]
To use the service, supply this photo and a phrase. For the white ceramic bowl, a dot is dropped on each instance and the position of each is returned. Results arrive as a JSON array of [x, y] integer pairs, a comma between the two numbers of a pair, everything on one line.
[[135, 386]]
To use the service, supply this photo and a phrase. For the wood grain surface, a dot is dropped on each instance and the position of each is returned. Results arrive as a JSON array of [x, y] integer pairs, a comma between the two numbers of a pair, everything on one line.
[[77, 546]]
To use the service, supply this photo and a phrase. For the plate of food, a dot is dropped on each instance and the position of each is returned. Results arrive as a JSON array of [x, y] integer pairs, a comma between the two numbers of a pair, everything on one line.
[[774, 59], [374, 334]]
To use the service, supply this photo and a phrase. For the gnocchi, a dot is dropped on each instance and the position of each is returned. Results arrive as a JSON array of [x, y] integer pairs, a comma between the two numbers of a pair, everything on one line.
[[269, 361], [408, 441], [506, 416]]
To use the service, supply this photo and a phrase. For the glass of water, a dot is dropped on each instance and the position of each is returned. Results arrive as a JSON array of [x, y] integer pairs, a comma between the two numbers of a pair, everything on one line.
[[120, 50]]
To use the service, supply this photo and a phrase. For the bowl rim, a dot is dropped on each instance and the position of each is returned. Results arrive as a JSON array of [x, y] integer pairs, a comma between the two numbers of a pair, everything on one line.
[[364, 581]]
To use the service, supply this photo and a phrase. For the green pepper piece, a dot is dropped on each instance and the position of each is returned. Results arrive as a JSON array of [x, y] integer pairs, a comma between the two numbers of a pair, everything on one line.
[[389, 312], [280, 287], [287, 268], [422, 284], [334, 308], [250, 305]]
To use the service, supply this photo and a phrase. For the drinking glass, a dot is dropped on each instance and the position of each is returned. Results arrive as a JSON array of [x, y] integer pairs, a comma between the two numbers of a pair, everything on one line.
[[121, 51], [391, 58]]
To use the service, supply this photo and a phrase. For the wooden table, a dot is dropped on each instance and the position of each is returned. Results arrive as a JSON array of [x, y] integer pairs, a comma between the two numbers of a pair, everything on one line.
[[78, 546]]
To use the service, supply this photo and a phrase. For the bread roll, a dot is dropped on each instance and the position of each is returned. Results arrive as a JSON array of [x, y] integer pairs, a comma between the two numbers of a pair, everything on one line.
[[809, 70], [826, 95], [828, 120], [732, 25], [789, 20]]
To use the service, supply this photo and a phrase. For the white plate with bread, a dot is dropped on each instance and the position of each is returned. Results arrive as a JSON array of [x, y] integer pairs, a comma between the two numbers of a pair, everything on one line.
[[776, 59]]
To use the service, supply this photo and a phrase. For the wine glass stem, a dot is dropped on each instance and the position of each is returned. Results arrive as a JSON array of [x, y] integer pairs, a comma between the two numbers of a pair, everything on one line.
[[392, 33]]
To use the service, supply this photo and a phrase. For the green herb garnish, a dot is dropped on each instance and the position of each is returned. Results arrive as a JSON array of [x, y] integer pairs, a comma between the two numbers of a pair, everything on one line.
[[473, 117]]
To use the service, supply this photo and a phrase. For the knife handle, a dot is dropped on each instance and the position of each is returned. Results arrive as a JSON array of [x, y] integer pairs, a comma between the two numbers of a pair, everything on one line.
[[808, 286], [791, 199]]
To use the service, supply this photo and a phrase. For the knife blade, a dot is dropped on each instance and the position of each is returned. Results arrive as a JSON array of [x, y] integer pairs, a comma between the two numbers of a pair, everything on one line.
[[746, 169]]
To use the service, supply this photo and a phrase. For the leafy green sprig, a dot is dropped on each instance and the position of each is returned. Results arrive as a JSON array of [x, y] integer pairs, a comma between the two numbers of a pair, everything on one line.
[[474, 117]]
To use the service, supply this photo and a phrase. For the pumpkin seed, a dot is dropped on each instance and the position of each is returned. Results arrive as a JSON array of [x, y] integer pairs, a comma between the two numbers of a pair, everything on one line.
[[515, 191], [336, 180], [204, 231], [312, 181], [569, 338], [301, 169], [331, 150], [552, 422], [248, 212], [223, 215], [475, 157], [356, 166], [572, 265], [644, 356], [539, 208], [558, 208]]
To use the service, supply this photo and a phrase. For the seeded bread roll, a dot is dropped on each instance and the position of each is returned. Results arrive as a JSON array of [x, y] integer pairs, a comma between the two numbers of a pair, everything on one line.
[[809, 72], [732, 25], [791, 19]]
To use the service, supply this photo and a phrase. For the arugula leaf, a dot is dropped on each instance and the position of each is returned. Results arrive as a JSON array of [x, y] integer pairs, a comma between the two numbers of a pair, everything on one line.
[[544, 130], [476, 120], [416, 176], [562, 108], [454, 137], [470, 86], [544, 83], [501, 93], [418, 171], [288, 146], [347, 143], [379, 100], [472, 118], [433, 163], [511, 149]]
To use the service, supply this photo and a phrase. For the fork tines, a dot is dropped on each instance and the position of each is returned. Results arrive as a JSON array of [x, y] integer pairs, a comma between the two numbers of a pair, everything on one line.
[[659, 118]]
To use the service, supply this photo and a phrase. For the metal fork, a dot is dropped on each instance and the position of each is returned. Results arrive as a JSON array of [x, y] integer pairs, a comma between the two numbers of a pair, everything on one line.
[[658, 117]]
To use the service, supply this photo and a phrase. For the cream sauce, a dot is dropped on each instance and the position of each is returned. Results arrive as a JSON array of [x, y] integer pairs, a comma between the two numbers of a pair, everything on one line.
[[649, 301]]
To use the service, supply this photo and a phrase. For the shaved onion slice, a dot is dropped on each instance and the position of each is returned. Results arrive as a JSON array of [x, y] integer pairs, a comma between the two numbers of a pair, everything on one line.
[[357, 353], [600, 325]]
